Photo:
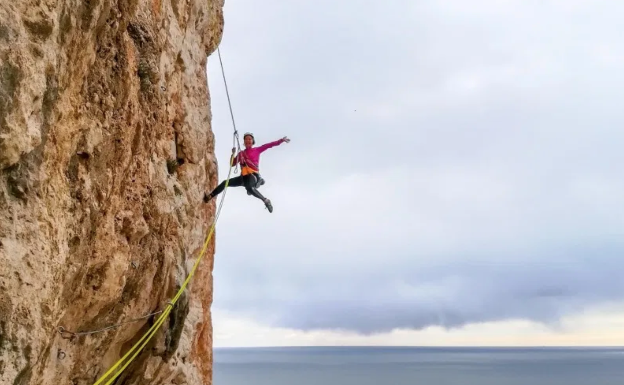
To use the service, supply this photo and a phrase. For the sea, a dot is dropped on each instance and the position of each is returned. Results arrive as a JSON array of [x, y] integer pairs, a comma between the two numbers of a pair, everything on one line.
[[411, 366]]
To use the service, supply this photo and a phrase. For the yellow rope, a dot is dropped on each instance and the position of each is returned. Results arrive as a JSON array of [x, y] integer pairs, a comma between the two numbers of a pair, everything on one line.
[[150, 333]]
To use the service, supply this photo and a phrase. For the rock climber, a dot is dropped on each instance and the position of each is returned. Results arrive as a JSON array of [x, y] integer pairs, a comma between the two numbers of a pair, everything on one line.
[[249, 159]]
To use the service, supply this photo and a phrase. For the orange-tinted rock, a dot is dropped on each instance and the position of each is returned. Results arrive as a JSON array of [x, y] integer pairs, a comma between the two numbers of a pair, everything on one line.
[[98, 225]]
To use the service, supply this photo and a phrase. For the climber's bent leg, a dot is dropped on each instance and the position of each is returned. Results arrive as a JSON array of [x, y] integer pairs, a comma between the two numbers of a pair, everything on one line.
[[260, 181], [251, 182]]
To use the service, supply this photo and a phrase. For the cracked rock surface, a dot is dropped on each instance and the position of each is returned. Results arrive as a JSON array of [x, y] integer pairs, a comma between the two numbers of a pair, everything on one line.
[[106, 149]]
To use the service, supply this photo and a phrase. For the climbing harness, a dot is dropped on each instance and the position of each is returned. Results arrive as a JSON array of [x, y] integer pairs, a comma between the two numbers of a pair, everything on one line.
[[136, 349]]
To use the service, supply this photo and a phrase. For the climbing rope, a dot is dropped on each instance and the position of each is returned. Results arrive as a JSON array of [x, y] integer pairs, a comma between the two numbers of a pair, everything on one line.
[[139, 345], [67, 334], [152, 331], [227, 94]]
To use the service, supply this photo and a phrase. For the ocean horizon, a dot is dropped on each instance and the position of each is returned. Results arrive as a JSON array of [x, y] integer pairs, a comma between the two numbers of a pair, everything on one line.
[[402, 365]]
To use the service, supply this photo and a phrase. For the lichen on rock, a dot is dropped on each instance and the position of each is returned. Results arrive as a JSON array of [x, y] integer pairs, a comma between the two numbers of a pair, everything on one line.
[[105, 152]]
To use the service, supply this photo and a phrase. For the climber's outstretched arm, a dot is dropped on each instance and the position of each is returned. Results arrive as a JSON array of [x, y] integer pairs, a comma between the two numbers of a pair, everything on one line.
[[266, 146]]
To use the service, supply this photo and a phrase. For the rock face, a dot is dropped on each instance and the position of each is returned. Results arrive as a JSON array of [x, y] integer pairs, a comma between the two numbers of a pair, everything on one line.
[[98, 222]]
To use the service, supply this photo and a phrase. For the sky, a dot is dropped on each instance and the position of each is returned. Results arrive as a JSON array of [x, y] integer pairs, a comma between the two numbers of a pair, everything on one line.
[[453, 176]]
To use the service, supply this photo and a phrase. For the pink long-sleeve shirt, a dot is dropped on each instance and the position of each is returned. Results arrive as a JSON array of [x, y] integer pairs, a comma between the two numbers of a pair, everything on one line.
[[249, 158]]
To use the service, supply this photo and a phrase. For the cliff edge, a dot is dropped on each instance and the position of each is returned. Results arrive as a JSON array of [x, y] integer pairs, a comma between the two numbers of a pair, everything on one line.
[[105, 151]]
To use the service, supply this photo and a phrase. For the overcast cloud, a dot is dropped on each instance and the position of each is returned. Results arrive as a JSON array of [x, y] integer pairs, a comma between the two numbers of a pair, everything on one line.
[[451, 161]]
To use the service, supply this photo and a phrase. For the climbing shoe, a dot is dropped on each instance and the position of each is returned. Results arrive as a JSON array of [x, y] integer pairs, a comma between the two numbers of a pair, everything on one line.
[[207, 198], [268, 205]]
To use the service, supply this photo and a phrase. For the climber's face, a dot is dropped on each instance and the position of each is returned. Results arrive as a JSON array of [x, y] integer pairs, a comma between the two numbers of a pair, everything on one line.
[[248, 141]]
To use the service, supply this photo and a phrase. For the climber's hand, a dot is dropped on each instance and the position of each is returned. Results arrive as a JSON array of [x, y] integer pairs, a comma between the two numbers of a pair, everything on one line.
[[285, 139], [233, 150]]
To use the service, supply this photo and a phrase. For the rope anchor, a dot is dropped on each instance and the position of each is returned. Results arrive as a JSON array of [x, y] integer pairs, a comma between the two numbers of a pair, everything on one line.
[[65, 334]]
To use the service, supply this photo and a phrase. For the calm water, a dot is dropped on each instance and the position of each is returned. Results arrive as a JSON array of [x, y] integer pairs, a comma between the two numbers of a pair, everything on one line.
[[427, 366]]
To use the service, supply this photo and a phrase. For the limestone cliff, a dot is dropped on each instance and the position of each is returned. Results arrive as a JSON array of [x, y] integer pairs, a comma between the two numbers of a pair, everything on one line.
[[98, 222]]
